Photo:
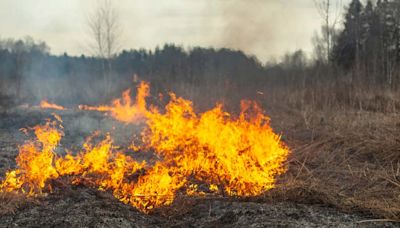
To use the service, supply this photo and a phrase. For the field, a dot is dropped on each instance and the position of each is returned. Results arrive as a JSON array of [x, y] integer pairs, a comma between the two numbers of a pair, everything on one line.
[[343, 170], [200, 114]]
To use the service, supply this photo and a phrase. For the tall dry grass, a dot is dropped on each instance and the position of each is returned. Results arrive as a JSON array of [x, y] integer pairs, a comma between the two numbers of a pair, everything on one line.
[[345, 151]]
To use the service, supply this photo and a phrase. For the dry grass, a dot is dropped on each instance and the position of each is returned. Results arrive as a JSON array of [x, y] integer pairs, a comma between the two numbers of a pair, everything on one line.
[[344, 155], [11, 202], [349, 160]]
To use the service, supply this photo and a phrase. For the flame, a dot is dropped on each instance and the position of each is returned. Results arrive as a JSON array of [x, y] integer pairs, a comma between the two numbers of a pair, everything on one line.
[[46, 105], [122, 108], [242, 156], [35, 162], [235, 156]]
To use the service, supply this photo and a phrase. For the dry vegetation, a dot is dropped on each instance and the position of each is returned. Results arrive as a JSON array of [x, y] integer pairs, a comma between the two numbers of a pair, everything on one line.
[[339, 113], [346, 155]]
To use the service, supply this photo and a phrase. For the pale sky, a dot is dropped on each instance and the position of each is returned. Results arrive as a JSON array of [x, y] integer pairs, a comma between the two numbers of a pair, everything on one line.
[[265, 28]]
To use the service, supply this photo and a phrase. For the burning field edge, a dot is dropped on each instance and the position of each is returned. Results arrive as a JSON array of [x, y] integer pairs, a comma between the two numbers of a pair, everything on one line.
[[350, 164], [211, 153]]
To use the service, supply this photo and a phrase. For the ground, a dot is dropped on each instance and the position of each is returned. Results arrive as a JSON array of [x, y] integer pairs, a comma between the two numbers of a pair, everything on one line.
[[88, 208], [298, 201]]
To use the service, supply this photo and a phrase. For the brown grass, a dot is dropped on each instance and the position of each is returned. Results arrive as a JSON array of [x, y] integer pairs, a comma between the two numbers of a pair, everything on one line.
[[345, 152], [11, 202], [346, 159]]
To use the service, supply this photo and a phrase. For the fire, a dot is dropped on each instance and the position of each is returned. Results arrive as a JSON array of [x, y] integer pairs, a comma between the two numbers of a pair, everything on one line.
[[35, 164], [235, 156], [242, 156], [45, 104], [123, 109]]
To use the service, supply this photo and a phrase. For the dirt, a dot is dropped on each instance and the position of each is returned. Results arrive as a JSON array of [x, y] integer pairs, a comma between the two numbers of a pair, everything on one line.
[[83, 207], [76, 206]]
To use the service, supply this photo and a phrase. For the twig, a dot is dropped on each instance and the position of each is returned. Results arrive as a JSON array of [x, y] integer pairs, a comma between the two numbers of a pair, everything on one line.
[[378, 220]]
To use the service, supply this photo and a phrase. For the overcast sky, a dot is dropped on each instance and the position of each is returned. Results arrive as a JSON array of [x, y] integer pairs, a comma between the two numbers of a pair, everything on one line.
[[265, 28]]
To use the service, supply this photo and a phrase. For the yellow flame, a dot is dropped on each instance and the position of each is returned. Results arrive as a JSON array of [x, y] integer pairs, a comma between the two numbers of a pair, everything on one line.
[[123, 109], [236, 156]]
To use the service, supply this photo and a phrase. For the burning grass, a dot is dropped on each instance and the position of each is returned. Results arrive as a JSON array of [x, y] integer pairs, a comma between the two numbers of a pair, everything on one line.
[[239, 156], [47, 105], [123, 109], [344, 159]]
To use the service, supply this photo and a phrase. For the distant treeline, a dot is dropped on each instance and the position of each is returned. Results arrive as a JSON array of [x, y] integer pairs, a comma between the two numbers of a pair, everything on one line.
[[30, 73], [365, 57]]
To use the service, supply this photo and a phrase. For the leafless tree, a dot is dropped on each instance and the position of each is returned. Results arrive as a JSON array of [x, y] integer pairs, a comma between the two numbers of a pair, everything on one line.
[[330, 11], [105, 32]]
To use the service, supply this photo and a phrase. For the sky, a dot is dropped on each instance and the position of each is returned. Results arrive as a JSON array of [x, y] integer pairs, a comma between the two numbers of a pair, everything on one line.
[[264, 28]]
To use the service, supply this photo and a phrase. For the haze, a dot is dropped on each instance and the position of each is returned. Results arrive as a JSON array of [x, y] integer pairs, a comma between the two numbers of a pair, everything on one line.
[[266, 28]]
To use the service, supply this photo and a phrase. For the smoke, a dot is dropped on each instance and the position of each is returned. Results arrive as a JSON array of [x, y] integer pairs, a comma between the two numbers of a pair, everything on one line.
[[79, 126], [262, 27], [265, 28]]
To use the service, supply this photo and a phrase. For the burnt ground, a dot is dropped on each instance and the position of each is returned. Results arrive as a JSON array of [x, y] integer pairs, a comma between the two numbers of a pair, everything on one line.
[[88, 208], [75, 206]]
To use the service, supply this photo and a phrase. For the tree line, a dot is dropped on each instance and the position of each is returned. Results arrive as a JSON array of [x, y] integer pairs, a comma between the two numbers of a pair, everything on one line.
[[362, 55], [369, 44], [29, 72]]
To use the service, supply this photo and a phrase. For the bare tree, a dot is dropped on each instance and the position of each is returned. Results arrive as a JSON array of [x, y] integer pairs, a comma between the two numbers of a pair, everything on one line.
[[329, 11], [105, 33]]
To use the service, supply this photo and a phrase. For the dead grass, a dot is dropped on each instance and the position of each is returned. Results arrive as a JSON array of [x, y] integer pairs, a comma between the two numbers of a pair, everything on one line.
[[349, 160], [11, 202]]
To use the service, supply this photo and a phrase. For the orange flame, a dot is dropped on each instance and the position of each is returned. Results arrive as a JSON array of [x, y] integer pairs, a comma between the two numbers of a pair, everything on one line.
[[242, 156], [123, 109], [46, 105], [234, 156]]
